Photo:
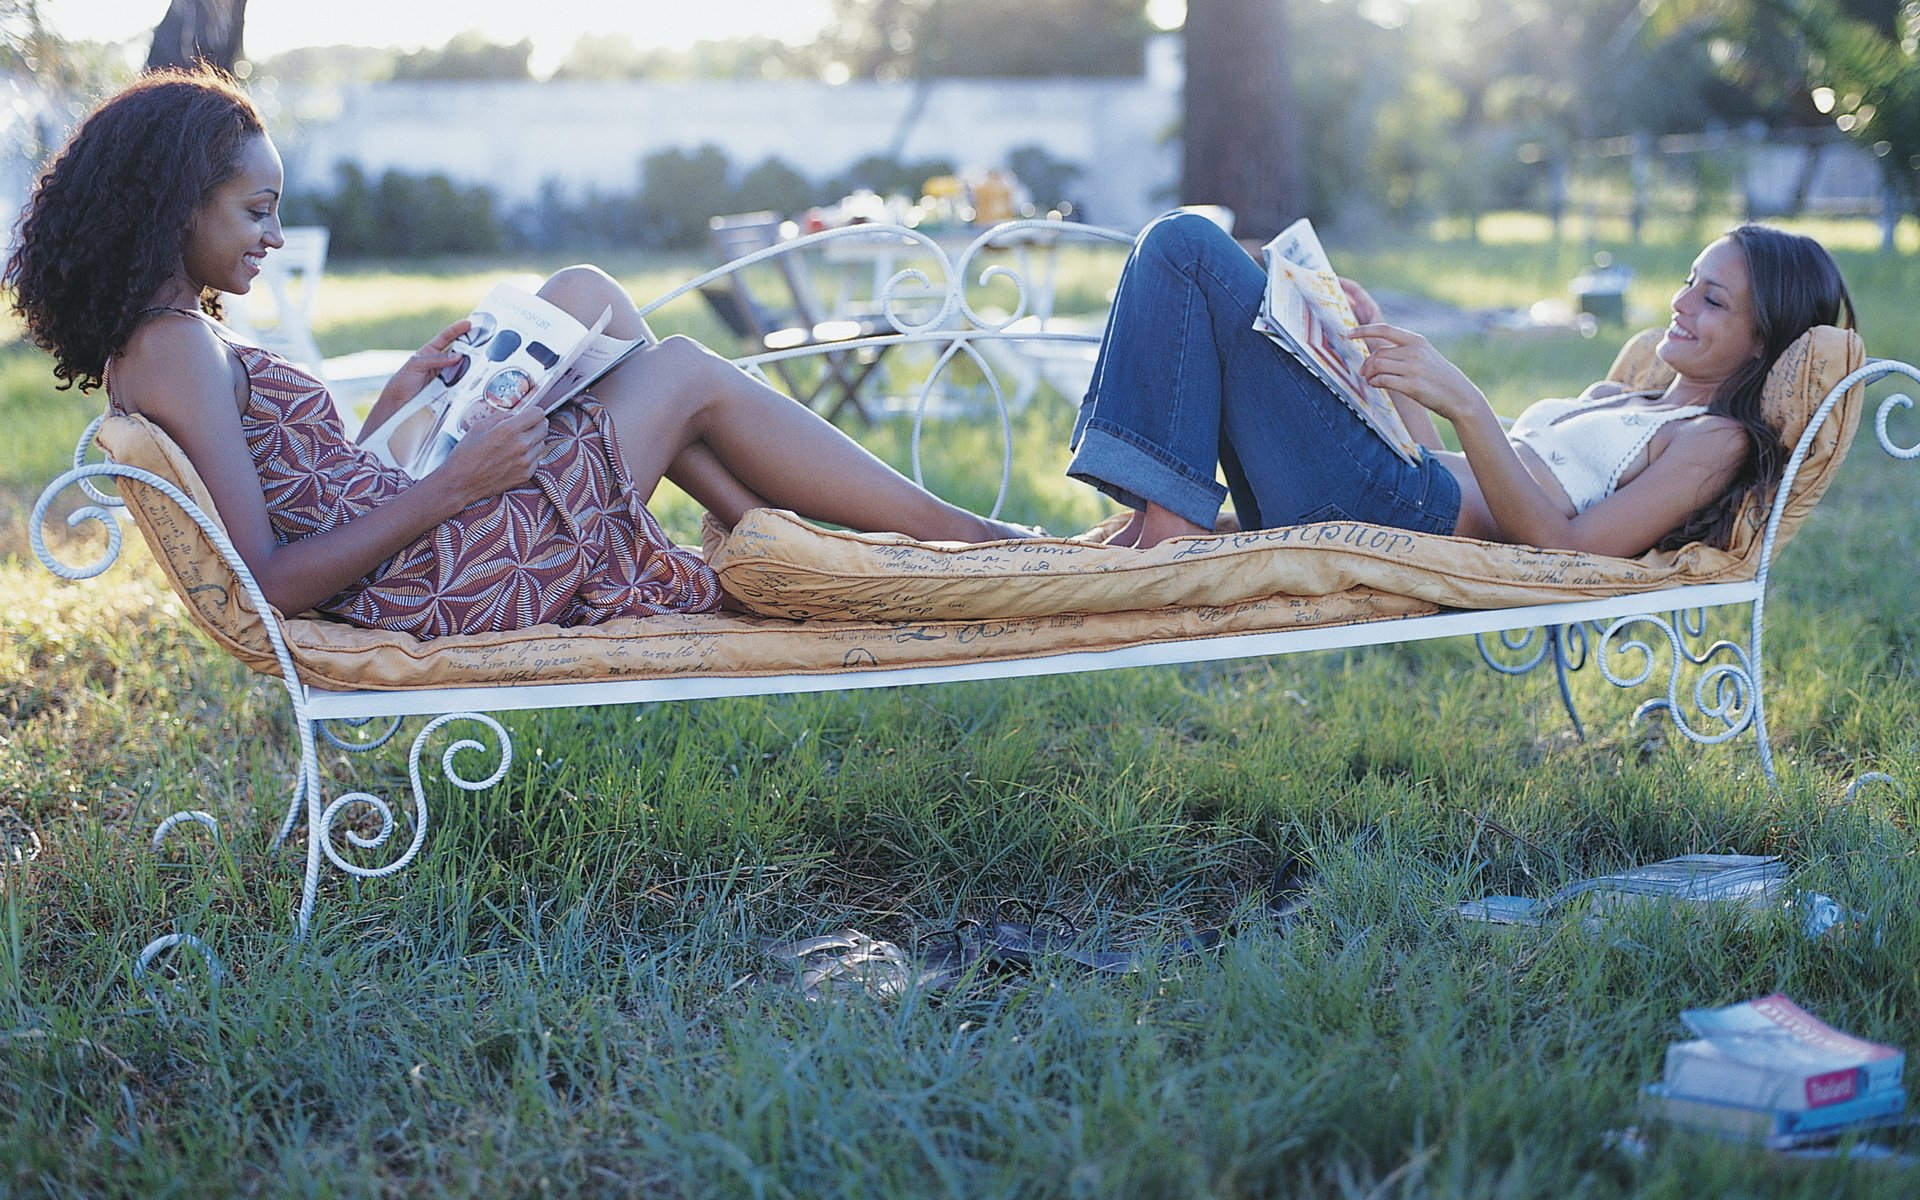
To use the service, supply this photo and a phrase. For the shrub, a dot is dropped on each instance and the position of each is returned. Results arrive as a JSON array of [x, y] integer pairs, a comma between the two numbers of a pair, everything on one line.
[[679, 191], [1046, 178], [775, 185], [401, 215], [888, 176]]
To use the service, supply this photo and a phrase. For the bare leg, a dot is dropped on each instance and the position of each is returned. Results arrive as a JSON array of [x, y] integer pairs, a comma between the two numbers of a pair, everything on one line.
[[708, 481], [682, 412]]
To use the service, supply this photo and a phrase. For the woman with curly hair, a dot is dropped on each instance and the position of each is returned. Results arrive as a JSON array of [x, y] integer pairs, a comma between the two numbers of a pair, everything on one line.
[[1185, 385], [168, 195]]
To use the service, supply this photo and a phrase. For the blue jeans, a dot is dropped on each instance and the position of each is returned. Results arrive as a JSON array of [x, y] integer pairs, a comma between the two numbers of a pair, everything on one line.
[[1184, 384]]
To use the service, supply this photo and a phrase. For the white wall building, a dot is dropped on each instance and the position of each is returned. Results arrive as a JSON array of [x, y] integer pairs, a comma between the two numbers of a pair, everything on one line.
[[514, 137]]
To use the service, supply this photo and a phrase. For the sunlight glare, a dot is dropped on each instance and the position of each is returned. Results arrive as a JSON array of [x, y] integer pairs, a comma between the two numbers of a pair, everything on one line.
[[1167, 14], [276, 26]]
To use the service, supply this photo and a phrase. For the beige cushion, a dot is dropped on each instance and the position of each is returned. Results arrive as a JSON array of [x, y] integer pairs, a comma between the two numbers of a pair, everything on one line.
[[333, 654], [777, 564], [909, 604]]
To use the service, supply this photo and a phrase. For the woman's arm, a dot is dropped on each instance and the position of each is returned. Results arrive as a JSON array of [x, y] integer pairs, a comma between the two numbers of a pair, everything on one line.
[[1697, 464], [179, 374]]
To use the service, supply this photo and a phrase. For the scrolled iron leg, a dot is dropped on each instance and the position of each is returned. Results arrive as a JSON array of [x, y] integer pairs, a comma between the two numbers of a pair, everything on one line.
[[1725, 693], [321, 821], [1517, 654], [169, 941]]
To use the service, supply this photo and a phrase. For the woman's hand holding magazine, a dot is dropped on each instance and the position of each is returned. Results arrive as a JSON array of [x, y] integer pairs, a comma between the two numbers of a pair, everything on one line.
[[514, 350]]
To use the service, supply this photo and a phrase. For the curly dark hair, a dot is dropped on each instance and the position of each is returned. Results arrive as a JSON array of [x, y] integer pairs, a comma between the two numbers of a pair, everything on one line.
[[107, 224], [1796, 285]]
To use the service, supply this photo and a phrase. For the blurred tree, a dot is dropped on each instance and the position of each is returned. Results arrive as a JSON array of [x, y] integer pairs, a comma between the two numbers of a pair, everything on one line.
[[1866, 76], [606, 56], [948, 39], [32, 53], [679, 191], [1241, 133], [616, 56], [330, 64], [400, 215], [21, 30], [196, 31], [1853, 65], [888, 176], [1360, 91], [1046, 178], [774, 186], [467, 56], [50, 80]]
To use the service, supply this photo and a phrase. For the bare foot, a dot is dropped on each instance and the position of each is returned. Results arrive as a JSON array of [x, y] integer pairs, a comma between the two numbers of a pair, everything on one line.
[[1128, 535], [1001, 531], [1157, 525]]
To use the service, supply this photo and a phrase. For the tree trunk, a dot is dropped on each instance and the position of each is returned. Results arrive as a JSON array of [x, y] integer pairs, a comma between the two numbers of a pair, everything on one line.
[[1241, 141], [199, 31]]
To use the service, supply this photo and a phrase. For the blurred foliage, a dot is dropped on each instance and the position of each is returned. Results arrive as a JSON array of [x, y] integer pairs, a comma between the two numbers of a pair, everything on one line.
[[889, 176], [1871, 52], [467, 56], [400, 214], [616, 56], [1412, 109], [679, 191], [946, 39]]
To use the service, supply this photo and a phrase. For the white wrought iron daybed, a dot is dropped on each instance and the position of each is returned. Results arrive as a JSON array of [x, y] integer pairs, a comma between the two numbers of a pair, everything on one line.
[[339, 686]]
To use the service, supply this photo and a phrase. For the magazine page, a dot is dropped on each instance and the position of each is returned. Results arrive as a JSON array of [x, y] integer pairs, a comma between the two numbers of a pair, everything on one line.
[[515, 343], [1300, 245], [1774, 1031], [597, 355], [1307, 312]]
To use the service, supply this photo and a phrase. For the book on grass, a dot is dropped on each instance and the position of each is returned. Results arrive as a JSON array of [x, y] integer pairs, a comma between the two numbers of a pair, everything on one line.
[[1307, 313], [1772, 1052], [1774, 1126], [1753, 879], [518, 349], [1700, 1068]]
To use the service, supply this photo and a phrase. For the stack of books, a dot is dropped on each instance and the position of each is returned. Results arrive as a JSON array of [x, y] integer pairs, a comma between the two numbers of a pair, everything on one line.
[[1769, 1071]]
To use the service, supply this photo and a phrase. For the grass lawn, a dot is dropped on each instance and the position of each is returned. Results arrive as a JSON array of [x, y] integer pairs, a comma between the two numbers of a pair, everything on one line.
[[548, 1002]]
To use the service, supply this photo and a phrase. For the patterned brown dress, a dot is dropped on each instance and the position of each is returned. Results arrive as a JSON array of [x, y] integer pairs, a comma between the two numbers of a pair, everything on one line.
[[573, 546]]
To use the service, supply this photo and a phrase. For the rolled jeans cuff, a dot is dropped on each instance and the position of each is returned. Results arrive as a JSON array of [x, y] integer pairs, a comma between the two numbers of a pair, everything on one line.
[[1106, 453]]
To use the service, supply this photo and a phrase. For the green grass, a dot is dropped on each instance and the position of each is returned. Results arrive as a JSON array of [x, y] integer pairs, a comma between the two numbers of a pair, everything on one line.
[[546, 1004]]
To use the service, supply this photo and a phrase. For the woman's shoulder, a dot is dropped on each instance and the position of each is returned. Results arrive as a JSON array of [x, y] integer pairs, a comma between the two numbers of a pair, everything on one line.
[[170, 331], [171, 355], [1705, 438]]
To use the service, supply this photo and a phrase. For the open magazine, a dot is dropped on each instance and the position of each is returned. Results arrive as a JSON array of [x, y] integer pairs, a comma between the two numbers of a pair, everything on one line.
[[518, 349], [1307, 314]]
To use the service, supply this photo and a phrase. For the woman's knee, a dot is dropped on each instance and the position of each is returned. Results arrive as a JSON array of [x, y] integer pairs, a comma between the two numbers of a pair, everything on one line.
[[1186, 230], [683, 355], [580, 285], [677, 370], [586, 291]]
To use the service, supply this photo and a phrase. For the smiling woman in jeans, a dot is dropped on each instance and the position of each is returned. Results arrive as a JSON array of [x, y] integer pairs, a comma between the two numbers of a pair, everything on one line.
[[1185, 388]]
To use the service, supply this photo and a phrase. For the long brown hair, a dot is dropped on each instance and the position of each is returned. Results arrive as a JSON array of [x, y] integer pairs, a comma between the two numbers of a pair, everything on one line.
[[108, 221], [1796, 285]]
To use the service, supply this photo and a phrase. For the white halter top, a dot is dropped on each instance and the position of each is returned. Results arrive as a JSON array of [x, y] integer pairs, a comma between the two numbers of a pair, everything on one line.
[[1589, 444]]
